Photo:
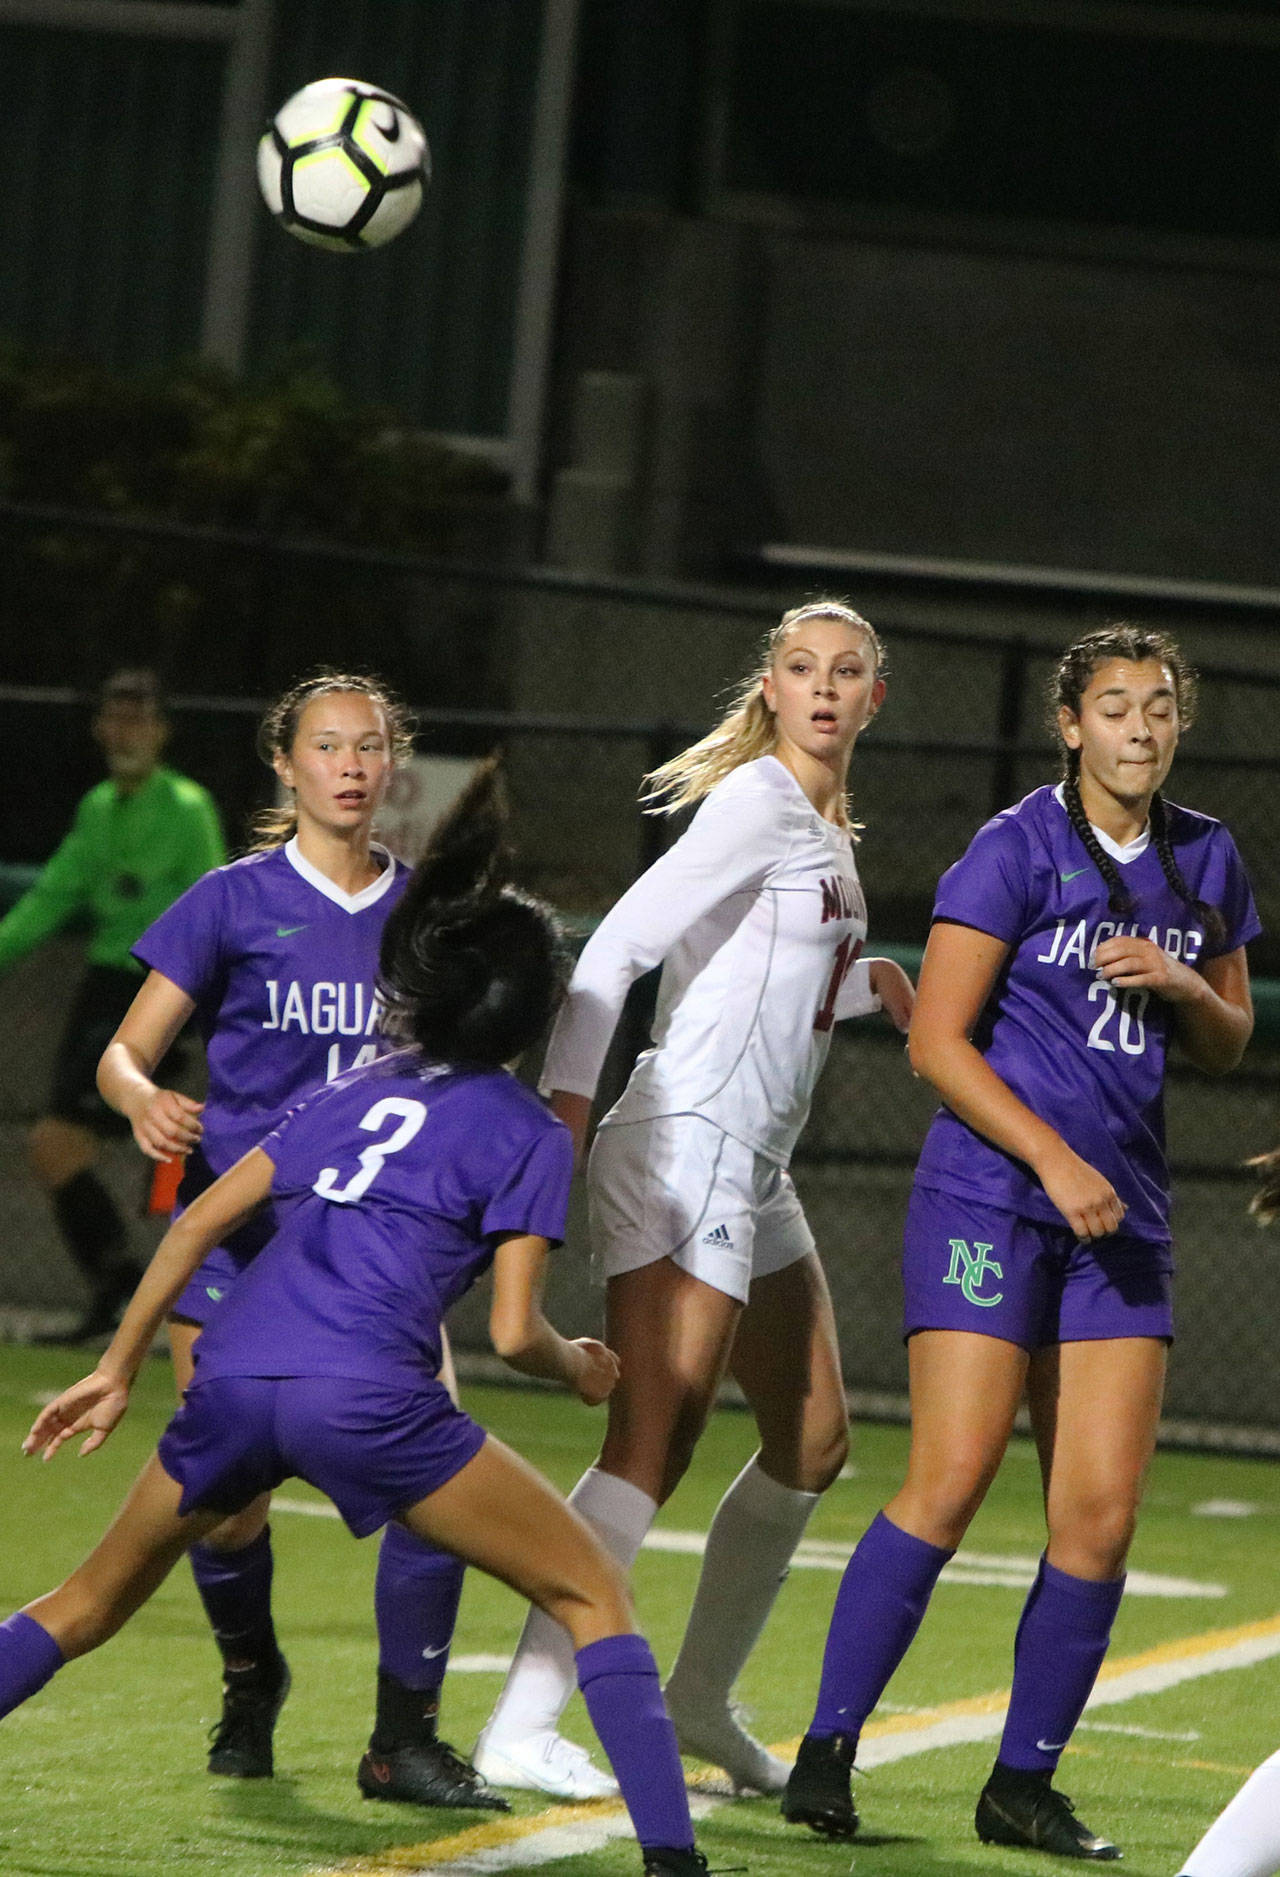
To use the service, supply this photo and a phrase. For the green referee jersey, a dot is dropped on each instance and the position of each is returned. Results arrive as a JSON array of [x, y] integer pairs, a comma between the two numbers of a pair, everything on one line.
[[124, 860]]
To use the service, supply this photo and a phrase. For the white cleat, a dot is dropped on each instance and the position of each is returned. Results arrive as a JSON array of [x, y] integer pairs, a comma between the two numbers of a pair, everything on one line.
[[543, 1762], [717, 1736]]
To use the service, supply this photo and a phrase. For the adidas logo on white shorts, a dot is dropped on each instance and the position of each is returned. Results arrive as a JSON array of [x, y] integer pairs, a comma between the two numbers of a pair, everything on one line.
[[718, 1236]]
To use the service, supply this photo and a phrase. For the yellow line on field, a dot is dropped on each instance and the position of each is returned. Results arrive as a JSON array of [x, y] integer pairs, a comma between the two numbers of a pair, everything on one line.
[[478, 1838], [497, 1833], [1188, 1647]]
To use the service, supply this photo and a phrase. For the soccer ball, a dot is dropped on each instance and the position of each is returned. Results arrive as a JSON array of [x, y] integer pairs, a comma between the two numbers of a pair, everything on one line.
[[343, 165]]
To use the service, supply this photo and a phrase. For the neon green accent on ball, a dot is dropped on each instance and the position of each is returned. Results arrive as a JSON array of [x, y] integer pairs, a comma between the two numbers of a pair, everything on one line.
[[373, 146], [334, 154]]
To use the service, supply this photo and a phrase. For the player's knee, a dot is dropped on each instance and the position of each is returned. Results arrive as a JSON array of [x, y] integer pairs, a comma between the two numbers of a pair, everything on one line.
[[941, 1507], [825, 1451], [812, 1460], [591, 1601], [1091, 1536]]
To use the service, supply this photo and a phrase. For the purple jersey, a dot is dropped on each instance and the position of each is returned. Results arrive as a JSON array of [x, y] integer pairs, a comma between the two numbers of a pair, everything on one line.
[[280, 964], [390, 1188], [1087, 1058]]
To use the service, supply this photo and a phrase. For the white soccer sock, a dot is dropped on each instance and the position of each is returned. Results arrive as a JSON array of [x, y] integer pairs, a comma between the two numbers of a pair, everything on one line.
[[757, 1526], [542, 1677], [1244, 1840]]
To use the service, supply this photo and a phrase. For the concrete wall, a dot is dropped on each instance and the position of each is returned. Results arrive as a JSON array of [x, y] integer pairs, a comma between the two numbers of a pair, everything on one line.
[[821, 389]]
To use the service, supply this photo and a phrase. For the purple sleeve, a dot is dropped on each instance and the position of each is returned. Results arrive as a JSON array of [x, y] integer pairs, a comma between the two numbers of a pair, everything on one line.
[[1235, 899], [185, 942], [290, 1147], [534, 1198], [988, 886]]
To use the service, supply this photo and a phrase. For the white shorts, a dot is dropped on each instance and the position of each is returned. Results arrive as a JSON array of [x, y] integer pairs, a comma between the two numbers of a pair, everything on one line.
[[681, 1188]]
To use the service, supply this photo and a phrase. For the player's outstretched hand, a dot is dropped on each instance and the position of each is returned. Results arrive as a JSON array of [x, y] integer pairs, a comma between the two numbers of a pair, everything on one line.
[[1087, 1201], [896, 992], [167, 1124], [598, 1373], [91, 1407]]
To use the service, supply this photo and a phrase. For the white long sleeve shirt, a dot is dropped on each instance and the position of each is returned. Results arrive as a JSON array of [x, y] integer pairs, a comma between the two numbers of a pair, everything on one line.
[[757, 917]]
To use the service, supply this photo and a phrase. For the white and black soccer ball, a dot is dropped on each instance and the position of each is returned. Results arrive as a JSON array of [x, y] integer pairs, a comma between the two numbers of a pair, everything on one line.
[[343, 165]]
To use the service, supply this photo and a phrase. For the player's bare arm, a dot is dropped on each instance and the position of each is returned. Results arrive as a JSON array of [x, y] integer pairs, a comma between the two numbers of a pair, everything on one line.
[[575, 1112], [523, 1337], [957, 975], [164, 1122], [897, 994]]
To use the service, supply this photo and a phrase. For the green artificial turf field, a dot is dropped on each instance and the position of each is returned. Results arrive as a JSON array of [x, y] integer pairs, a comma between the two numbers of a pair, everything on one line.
[[103, 1773]]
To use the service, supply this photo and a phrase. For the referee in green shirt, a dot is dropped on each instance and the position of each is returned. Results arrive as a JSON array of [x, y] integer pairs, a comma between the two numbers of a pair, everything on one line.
[[137, 841]]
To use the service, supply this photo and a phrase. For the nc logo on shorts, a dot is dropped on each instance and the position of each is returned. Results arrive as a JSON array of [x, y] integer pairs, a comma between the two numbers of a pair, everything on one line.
[[968, 1270]]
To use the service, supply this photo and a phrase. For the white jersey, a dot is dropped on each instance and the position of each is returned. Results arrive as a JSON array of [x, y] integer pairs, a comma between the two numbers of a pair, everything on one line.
[[757, 918]]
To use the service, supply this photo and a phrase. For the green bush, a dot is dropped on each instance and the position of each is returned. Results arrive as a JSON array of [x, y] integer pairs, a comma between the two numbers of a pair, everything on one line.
[[289, 465], [290, 456]]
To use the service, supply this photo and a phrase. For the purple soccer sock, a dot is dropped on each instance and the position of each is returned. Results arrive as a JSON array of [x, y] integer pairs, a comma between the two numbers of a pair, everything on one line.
[[235, 1589], [1062, 1637], [883, 1595], [416, 1606], [29, 1657], [619, 1681]]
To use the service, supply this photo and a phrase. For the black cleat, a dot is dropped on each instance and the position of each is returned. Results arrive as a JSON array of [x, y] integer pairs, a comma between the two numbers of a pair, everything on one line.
[[240, 1744], [819, 1791], [664, 1860], [1040, 1818], [426, 1772]]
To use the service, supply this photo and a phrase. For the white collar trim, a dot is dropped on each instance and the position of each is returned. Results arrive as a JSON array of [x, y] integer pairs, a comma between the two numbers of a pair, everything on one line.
[[349, 902], [1122, 852]]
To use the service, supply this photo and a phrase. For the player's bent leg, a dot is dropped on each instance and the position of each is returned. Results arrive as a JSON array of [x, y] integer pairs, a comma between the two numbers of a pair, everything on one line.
[[415, 1601], [497, 1512], [673, 1332], [233, 1568], [785, 1358], [128, 1564], [416, 1605]]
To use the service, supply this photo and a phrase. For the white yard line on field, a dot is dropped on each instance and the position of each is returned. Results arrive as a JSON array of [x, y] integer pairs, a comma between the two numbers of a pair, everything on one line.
[[976, 1568]]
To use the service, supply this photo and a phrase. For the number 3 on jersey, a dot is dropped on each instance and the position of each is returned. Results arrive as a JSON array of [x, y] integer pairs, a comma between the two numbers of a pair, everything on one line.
[[412, 1115]]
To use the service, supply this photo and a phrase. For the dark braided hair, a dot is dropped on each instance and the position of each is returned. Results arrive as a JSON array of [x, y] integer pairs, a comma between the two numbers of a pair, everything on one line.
[[1137, 645], [471, 970]]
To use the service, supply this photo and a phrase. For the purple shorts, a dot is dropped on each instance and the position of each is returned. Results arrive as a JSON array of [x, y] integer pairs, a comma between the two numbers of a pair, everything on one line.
[[966, 1266], [372, 1450]]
